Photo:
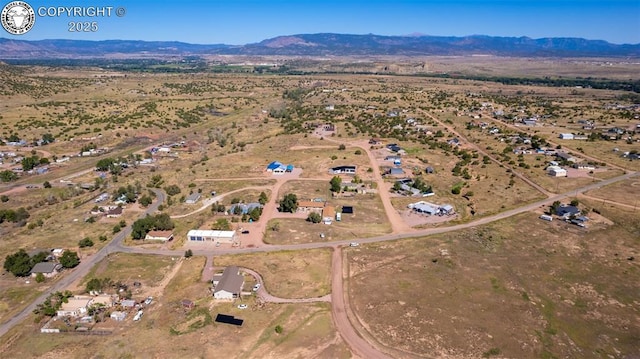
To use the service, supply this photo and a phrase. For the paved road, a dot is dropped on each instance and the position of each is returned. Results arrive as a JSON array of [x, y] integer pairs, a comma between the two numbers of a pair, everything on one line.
[[387, 237], [338, 304], [82, 269]]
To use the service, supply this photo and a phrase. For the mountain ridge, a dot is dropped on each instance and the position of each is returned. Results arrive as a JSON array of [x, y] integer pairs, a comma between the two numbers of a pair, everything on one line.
[[326, 44]]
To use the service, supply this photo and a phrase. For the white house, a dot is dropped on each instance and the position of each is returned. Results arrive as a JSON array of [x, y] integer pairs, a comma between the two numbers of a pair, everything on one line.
[[118, 316], [228, 286], [206, 235], [556, 171], [75, 307], [159, 236], [566, 136], [343, 170]]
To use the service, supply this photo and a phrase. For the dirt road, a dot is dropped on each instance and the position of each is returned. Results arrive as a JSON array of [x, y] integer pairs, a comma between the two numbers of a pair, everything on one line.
[[358, 345]]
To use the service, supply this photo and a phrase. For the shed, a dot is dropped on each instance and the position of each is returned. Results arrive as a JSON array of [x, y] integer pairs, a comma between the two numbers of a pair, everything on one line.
[[347, 209], [188, 304]]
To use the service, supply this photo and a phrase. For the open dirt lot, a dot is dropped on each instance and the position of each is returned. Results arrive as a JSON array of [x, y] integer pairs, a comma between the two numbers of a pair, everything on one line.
[[521, 288]]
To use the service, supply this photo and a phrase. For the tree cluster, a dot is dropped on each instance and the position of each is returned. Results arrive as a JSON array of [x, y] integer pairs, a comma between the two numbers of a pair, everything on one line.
[[8, 176], [14, 216], [53, 302], [20, 264], [130, 193], [159, 222], [289, 203]]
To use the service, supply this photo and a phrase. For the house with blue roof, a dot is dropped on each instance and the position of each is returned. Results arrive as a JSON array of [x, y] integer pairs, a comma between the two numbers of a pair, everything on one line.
[[276, 167]]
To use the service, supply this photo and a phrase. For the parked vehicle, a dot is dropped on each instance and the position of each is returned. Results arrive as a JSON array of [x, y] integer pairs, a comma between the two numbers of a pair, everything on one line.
[[354, 244], [256, 287], [138, 315], [242, 306]]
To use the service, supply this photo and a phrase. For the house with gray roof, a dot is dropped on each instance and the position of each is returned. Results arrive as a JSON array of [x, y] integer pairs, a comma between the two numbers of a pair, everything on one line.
[[193, 198], [229, 285], [48, 269]]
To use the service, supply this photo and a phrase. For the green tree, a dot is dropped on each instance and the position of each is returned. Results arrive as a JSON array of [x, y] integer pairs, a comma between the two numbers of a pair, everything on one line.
[[105, 164], [85, 242], [172, 190], [94, 284], [221, 224], [29, 163], [289, 203], [18, 263], [47, 138], [554, 206], [397, 186], [255, 214], [574, 202], [263, 199], [69, 259], [8, 176], [145, 201], [188, 253], [46, 184], [336, 184], [342, 147], [279, 329], [314, 217], [40, 278], [4, 198]]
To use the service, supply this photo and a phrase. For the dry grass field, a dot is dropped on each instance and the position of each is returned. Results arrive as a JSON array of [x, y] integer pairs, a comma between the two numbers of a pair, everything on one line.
[[127, 268], [520, 288], [307, 272], [517, 288], [627, 192]]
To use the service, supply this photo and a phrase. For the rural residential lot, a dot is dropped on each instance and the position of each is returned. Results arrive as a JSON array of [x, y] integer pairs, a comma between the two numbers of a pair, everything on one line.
[[437, 207]]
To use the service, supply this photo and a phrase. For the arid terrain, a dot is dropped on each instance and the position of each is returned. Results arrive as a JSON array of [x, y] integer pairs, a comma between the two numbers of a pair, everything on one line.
[[407, 226]]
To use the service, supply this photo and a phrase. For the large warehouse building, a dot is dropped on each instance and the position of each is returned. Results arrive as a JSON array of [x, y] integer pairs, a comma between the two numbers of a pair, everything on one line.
[[205, 235]]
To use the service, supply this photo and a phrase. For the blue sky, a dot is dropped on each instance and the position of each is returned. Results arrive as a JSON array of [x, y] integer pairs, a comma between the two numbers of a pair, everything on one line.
[[247, 21]]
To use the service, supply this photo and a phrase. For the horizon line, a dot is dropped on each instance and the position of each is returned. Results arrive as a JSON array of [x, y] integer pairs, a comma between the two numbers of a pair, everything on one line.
[[411, 35]]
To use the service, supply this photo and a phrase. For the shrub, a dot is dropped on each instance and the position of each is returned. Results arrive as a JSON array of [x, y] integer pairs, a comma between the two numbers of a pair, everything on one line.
[[85, 242]]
